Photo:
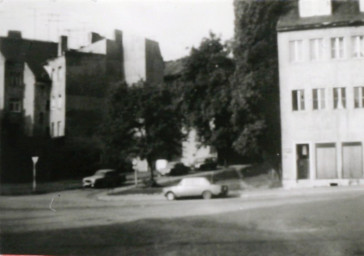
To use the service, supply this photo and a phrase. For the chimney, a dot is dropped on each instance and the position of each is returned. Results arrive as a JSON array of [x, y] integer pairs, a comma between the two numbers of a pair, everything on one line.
[[62, 45], [361, 5], [311, 8], [94, 37], [118, 35], [14, 34]]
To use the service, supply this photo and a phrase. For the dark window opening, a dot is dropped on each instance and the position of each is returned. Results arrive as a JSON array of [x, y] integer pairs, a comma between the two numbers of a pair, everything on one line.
[[303, 161]]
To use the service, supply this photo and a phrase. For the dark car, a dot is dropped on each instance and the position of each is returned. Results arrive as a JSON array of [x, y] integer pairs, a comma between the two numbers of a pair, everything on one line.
[[179, 169], [104, 178], [174, 168], [204, 164]]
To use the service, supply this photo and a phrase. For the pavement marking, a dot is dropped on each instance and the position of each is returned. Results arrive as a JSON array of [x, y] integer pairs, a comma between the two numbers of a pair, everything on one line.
[[50, 205]]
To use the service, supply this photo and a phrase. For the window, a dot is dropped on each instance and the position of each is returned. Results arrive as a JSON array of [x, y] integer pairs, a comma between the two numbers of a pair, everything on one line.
[[59, 128], [48, 104], [59, 73], [358, 46], [337, 48], [15, 105], [319, 98], [339, 98], [41, 118], [15, 78], [298, 100], [53, 102], [59, 101], [52, 129], [295, 51], [359, 97], [316, 49]]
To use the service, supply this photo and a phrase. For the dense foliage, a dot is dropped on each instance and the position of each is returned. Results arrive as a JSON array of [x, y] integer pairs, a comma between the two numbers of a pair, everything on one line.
[[255, 103], [206, 94], [141, 121]]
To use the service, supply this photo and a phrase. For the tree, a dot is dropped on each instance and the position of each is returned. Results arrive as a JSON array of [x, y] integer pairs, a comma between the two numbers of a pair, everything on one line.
[[255, 102], [206, 94], [141, 122]]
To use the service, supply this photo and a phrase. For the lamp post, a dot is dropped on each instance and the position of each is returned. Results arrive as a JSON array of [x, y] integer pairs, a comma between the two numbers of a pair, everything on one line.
[[35, 160]]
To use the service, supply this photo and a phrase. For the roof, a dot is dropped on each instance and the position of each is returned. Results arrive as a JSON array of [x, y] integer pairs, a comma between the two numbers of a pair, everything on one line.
[[174, 68], [32, 52], [344, 13]]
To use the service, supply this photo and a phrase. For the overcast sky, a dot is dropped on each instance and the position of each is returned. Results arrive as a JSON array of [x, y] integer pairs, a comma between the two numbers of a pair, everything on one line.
[[175, 24]]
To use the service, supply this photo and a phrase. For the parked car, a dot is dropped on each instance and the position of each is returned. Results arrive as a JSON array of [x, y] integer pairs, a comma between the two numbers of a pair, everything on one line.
[[208, 163], [104, 178], [174, 169], [195, 187]]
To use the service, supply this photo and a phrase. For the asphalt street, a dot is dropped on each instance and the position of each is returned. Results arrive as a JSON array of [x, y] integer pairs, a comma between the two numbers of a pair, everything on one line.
[[327, 221]]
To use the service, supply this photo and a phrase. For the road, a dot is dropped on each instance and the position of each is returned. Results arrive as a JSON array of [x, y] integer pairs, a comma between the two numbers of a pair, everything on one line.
[[82, 222]]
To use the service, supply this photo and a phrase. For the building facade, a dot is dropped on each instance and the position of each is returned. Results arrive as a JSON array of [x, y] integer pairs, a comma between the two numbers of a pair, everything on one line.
[[81, 78], [24, 102], [321, 69]]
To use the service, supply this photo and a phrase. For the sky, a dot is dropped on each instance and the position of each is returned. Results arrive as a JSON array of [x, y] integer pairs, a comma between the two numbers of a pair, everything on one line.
[[176, 24]]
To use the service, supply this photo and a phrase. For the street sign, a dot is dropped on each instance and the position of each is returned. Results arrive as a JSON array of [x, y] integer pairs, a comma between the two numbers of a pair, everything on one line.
[[35, 159]]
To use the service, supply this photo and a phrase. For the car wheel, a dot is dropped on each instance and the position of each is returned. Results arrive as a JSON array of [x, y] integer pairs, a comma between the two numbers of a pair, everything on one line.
[[170, 196], [206, 195]]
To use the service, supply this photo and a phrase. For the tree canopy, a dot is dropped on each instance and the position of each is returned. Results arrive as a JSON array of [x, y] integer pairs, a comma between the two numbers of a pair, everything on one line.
[[141, 121], [255, 101], [206, 93]]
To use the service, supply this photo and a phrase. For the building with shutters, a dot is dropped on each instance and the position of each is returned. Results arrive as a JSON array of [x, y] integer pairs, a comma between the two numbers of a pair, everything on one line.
[[321, 70]]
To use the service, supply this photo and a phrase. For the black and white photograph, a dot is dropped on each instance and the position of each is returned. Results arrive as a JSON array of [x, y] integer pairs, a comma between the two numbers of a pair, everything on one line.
[[181, 127]]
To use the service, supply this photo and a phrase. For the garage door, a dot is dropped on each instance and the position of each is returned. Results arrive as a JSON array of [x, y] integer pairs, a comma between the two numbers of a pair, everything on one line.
[[352, 161], [326, 161]]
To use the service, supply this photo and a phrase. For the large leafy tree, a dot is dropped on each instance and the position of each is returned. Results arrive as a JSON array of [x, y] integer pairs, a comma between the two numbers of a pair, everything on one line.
[[206, 94], [255, 103], [141, 121]]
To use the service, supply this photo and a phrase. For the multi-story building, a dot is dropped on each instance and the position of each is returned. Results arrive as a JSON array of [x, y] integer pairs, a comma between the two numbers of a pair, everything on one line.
[[321, 66], [24, 101], [24, 83], [48, 90], [81, 78]]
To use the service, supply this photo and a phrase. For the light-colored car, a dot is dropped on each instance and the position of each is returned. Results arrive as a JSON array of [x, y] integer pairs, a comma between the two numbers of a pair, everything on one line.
[[103, 178], [195, 187]]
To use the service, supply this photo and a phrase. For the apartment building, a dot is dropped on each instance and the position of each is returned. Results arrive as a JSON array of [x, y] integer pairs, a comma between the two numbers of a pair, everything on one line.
[[24, 84], [321, 70], [24, 102], [81, 78]]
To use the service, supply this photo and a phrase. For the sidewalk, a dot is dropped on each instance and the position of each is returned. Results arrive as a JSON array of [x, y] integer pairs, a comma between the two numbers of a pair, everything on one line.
[[245, 194], [282, 192]]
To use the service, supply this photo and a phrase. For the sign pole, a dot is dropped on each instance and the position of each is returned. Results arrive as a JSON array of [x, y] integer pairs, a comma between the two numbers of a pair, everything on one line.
[[35, 160], [135, 167], [136, 177]]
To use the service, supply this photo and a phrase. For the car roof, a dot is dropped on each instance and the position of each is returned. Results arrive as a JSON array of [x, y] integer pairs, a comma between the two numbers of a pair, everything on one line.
[[105, 170], [195, 178]]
